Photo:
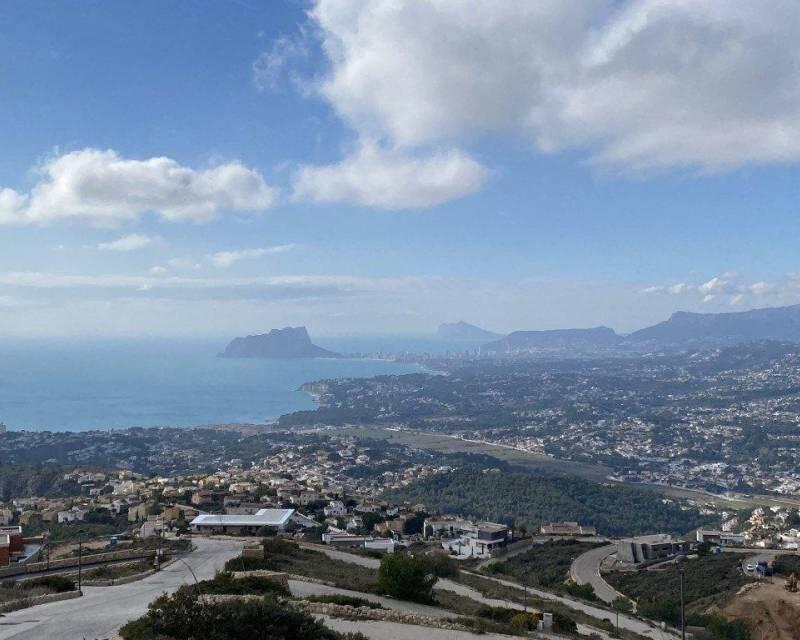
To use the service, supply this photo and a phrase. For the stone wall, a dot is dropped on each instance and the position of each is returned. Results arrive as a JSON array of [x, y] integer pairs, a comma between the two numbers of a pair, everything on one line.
[[32, 602]]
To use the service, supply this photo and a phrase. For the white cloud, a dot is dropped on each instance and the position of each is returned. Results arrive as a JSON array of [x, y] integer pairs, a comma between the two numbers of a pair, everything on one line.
[[224, 259], [131, 242], [760, 288], [104, 189], [12, 205], [388, 179], [638, 84], [271, 66], [158, 270], [728, 288], [182, 263]]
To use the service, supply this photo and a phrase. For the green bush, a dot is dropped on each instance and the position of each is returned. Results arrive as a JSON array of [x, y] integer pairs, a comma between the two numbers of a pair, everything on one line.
[[524, 622], [347, 601], [585, 591], [786, 565], [182, 617], [56, 584], [280, 547], [563, 623], [443, 565], [226, 583], [497, 614], [719, 628], [407, 577], [254, 564]]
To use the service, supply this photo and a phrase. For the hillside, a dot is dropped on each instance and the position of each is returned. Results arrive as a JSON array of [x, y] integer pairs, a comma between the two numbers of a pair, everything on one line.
[[557, 339], [533, 500], [718, 329], [290, 342]]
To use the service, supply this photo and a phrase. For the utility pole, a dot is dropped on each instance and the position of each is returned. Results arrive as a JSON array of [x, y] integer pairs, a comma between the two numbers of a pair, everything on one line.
[[525, 602], [681, 570], [159, 532]]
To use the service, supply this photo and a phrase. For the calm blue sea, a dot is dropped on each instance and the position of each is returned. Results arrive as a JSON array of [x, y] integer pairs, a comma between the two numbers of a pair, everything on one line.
[[77, 385]]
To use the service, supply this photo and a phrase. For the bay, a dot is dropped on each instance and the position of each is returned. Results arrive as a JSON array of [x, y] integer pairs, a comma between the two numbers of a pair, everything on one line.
[[85, 384]]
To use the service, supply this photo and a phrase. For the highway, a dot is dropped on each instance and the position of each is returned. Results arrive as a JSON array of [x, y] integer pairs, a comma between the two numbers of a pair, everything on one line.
[[103, 610]]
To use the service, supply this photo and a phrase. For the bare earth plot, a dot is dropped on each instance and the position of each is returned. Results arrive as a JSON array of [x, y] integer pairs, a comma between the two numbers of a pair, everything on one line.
[[769, 610]]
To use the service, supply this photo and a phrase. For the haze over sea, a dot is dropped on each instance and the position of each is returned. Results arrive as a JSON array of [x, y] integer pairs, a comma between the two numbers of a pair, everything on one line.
[[83, 384]]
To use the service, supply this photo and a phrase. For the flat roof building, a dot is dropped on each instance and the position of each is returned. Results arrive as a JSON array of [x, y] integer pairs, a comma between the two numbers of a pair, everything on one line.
[[646, 549], [277, 519]]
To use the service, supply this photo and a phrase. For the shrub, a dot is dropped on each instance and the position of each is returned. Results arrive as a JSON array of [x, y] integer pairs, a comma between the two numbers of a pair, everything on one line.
[[497, 614], [524, 622], [182, 617], [407, 577], [347, 601], [226, 583], [254, 564], [280, 547], [56, 584], [585, 591], [787, 564], [563, 623], [443, 565]]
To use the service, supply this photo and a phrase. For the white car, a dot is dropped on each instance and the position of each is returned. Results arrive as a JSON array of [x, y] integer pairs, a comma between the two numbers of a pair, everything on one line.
[[750, 567]]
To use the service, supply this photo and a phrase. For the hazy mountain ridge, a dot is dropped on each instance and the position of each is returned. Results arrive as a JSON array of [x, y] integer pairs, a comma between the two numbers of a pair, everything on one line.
[[593, 338], [289, 342], [465, 331], [685, 328], [682, 330]]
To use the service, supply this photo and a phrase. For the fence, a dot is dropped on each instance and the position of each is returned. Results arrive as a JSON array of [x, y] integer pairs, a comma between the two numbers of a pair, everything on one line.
[[68, 563]]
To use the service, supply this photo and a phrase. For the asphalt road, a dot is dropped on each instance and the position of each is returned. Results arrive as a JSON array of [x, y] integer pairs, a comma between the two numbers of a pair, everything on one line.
[[586, 570], [103, 610]]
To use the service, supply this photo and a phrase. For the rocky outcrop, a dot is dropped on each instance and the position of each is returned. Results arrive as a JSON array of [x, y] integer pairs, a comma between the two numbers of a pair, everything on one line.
[[289, 342]]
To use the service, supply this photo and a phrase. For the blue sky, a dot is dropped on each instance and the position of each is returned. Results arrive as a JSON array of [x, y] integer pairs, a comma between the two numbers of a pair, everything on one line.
[[213, 168]]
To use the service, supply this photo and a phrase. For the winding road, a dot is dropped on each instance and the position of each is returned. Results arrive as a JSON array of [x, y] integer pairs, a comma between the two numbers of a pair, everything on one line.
[[103, 610]]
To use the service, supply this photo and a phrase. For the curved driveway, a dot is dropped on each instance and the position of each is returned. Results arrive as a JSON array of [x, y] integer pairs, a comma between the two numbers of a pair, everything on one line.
[[585, 569]]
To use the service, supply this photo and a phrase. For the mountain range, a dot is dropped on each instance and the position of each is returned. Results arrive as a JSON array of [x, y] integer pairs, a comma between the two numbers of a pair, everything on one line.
[[683, 330]]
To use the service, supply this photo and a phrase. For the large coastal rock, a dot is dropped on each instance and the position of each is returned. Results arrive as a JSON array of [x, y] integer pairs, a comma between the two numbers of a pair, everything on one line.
[[290, 342]]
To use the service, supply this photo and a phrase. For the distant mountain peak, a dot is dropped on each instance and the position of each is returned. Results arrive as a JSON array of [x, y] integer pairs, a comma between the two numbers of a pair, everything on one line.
[[464, 331], [289, 342]]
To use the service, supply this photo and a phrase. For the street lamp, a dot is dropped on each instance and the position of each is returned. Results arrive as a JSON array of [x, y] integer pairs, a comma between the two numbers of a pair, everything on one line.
[[197, 584]]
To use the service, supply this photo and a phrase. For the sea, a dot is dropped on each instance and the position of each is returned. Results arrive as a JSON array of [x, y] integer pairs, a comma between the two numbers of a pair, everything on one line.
[[87, 384]]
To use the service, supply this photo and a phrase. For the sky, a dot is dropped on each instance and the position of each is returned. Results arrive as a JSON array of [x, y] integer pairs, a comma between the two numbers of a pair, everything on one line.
[[220, 167]]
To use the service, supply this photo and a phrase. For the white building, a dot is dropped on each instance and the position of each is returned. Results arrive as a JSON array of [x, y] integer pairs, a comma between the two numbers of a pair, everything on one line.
[[335, 509], [277, 519], [76, 514]]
